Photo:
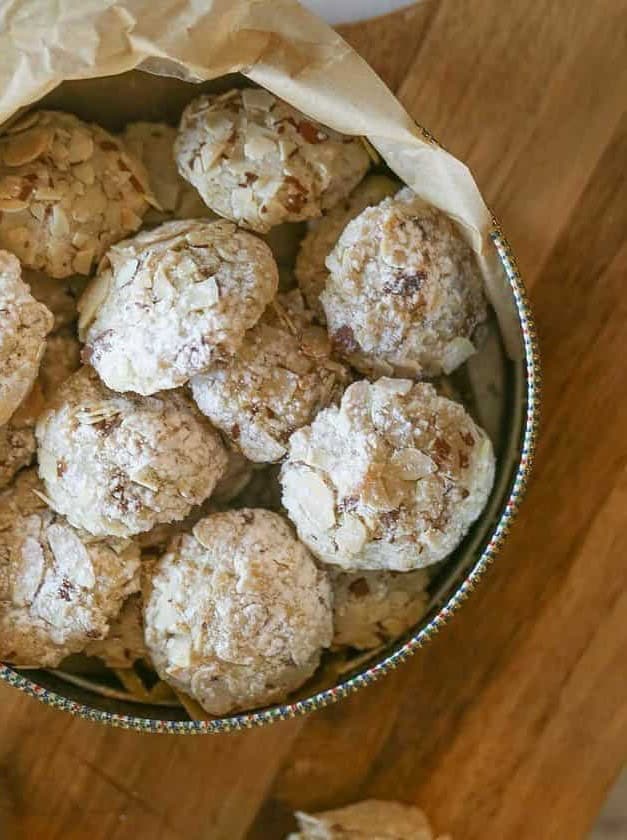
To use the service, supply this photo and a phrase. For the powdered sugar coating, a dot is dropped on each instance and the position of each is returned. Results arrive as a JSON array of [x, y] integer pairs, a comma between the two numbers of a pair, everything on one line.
[[120, 464], [17, 438], [153, 144], [68, 190], [260, 162], [322, 235], [372, 608], [404, 293], [238, 612], [371, 819], [282, 376], [169, 302], [124, 643], [59, 587], [391, 480], [24, 324]]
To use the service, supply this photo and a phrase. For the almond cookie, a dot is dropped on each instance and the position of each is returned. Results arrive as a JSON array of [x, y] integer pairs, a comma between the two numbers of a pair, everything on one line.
[[238, 612], [120, 464], [17, 439], [24, 325], [59, 296], [124, 643], [322, 235], [59, 587], [258, 161], [391, 480], [372, 608], [371, 819], [153, 144], [404, 293], [282, 375], [68, 190], [165, 304]]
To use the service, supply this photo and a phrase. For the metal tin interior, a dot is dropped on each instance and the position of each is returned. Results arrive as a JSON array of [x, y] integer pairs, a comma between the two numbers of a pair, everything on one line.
[[510, 393]]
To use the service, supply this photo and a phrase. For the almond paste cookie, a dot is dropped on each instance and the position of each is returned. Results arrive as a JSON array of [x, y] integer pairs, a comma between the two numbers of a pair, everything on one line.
[[391, 480], [68, 190], [169, 302], [282, 375], [258, 161], [17, 438], [322, 235], [153, 144], [24, 325], [238, 612], [59, 587], [120, 464], [404, 293], [371, 819], [372, 608]]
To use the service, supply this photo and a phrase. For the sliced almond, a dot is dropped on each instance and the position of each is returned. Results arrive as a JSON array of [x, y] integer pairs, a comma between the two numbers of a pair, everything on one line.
[[257, 99], [129, 220], [312, 496], [81, 147], [60, 225], [85, 173], [12, 205], [23, 123], [351, 536], [412, 464], [44, 193], [83, 261], [26, 147], [92, 299]]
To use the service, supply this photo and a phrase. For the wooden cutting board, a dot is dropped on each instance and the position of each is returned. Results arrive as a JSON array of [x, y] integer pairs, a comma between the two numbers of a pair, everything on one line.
[[512, 724]]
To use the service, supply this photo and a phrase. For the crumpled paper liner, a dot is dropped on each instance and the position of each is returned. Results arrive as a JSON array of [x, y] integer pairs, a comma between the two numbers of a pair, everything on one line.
[[275, 43]]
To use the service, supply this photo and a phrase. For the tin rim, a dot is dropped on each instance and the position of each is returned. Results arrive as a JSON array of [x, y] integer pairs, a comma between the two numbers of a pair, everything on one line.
[[401, 651]]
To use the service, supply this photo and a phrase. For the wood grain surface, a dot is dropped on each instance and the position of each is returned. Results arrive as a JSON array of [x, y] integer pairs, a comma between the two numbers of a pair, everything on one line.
[[512, 723]]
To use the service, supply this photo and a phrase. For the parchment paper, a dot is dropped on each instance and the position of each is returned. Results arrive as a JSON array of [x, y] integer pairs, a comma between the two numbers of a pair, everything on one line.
[[275, 43]]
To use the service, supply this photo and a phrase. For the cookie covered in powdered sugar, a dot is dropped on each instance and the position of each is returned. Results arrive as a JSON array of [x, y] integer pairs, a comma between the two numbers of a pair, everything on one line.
[[404, 293], [153, 144], [120, 464], [24, 325], [322, 234], [124, 643], [59, 296], [373, 608], [237, 613], [391, 480], [282, 375], [169, 302], [59, 587], [258, 161], [372, 819], [68, 190], [17, 438]]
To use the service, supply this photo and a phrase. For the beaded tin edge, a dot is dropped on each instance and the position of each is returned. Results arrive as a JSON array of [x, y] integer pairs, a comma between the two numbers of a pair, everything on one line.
[[406, 649]]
